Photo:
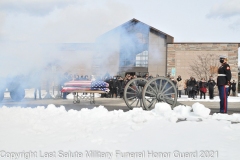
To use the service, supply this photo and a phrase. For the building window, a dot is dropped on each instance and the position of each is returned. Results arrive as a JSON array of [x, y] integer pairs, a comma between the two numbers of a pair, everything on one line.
[[142, 59]]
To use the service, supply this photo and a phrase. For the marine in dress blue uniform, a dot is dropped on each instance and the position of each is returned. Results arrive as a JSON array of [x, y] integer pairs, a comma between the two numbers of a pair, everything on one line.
[[223, 82]]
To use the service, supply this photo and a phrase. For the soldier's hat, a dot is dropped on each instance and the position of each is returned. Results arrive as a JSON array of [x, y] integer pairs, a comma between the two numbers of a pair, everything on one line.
[[222, 57]]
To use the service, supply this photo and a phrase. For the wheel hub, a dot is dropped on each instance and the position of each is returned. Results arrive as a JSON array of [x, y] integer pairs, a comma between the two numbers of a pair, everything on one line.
[[160, 96]]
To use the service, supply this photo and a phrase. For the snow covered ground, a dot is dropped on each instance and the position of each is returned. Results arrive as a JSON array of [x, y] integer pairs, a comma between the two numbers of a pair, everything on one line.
[[29, 94], [216, 99], [186, 132]]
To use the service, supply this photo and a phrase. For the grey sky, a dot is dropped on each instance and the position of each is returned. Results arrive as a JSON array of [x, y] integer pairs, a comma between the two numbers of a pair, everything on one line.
[[66, 21]]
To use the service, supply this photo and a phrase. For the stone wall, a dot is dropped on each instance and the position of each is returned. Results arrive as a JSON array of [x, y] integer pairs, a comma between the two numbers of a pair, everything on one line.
[[181, 55]]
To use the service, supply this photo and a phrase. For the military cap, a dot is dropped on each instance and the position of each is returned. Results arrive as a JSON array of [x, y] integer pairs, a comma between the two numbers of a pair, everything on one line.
[[222, 57]]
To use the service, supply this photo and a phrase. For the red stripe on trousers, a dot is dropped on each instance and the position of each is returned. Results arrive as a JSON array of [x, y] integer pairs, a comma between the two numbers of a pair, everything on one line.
[[224, 99]]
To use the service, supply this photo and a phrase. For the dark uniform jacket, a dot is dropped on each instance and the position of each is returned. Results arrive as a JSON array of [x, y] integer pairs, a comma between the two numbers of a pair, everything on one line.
[[224, 80]]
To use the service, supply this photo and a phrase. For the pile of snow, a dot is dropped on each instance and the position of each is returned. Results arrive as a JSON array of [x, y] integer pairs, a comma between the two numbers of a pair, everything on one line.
[[233, 118], [54, 133], [201, 110]]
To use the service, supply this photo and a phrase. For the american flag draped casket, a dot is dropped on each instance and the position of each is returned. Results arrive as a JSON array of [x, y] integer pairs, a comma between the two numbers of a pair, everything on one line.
[[75, 86]]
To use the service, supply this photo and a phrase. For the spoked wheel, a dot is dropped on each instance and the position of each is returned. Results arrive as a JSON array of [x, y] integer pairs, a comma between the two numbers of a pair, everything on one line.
[[160, 89], [133, 93]]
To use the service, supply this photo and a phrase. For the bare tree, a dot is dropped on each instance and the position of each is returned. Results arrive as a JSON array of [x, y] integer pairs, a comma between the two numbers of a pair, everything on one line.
[[204, 66]]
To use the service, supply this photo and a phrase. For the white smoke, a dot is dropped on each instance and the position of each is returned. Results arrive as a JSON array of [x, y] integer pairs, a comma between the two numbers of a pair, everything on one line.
[[31, 31]]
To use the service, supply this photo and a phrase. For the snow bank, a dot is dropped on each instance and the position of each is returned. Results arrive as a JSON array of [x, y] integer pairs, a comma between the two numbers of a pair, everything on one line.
[[182, 112], [201, 110], [54, 133], [216, 99], [233, 118]]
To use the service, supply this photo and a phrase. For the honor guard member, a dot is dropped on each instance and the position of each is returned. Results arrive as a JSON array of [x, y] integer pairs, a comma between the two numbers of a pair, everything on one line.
[[223, 82]]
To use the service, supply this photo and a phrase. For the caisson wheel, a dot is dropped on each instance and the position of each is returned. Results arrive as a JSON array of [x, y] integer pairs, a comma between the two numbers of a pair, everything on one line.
[[160, 89], [133, 93]]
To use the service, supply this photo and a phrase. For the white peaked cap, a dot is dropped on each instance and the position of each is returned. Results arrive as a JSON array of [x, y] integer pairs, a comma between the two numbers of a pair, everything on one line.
[[222, 56]]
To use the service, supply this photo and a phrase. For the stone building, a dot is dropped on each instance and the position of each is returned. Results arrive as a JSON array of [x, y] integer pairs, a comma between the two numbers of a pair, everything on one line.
[[138, 48], [200, 60], [133, 47]]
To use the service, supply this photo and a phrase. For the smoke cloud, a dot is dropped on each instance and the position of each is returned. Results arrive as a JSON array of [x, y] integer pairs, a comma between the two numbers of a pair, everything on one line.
[[32, 32]]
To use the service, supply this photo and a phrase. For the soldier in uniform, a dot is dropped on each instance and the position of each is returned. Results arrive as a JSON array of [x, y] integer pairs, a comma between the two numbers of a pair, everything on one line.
[[223, 82]]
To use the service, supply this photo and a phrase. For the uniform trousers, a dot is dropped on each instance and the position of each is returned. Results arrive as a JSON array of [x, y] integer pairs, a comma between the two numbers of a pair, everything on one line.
[[223, 95]]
